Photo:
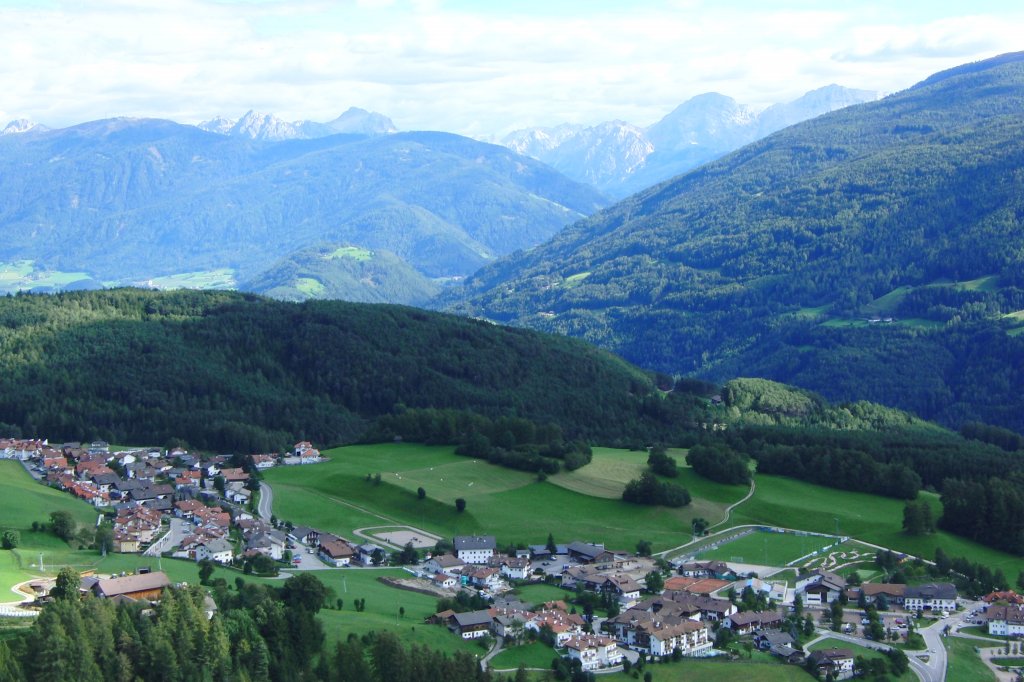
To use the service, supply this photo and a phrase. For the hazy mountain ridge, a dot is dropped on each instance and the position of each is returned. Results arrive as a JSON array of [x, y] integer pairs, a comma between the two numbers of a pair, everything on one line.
[[620, 158], [130, 199], [262, 126], [776, 256]]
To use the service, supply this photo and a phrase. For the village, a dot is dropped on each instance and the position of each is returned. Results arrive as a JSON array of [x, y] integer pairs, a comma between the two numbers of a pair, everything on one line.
[[619, 607]]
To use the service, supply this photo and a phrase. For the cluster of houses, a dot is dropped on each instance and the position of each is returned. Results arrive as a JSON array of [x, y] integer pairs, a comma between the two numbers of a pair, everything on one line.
[[680, 620], [147, 487], [337, 551], [1004, 613]]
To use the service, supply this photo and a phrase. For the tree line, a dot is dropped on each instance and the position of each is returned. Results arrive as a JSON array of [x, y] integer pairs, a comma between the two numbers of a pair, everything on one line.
[[257, 634]]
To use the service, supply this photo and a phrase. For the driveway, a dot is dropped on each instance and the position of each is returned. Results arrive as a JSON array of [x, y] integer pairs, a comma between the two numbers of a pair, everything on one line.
[[266, 501], [179, 529]]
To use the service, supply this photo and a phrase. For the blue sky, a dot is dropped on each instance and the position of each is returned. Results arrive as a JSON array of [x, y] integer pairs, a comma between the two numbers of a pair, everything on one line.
[[473, 67]]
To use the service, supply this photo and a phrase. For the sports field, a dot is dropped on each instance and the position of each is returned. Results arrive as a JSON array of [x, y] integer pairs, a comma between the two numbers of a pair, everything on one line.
[[795, 504], [768, 549]]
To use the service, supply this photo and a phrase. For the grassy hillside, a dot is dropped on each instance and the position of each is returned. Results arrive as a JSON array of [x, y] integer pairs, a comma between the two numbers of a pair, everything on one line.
[[516, 508], [509, 504], [238, 372], [775, 259], [346, 273]]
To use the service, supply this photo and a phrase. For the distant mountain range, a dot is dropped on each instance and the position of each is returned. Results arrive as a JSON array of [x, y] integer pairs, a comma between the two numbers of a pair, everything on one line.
[[619, 158], [257, 126], [127, 200], [875, 252]]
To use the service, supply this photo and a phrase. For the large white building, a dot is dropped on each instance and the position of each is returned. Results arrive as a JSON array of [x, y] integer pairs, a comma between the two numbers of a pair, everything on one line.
[[933, 596], [593, 652], [1006, 620], [474, 549]]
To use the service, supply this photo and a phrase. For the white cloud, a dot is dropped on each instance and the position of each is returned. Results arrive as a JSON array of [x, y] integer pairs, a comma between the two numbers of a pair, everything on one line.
[[430, 65]]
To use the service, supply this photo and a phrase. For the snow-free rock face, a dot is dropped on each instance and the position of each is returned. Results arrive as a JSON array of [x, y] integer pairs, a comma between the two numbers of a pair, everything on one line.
[[619, 158], [363, 122]]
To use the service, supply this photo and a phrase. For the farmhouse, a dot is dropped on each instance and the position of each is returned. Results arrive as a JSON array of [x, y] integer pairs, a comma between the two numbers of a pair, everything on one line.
[[820, 587], [563, 625], [1006, 620], [474, 549], [746, 622], [444, 563], [369, 551], [515, 568], [216, 549], [141, 586], [893, 592], [707, 569], [336, 552], [472, 624], [933, 596], [701, 606], [1008, 596], [835, 662], [593, 652]]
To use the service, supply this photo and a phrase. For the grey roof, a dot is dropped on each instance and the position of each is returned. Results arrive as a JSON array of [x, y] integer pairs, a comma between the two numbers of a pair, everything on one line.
[[776, 638], [471, 618], [829, 655], [471, 542], [586, 549], [931, 591], [218, 545]]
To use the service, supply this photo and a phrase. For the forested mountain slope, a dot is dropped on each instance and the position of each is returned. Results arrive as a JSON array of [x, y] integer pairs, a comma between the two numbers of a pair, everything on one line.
[[875, 252], [128, 200], [236, 371]]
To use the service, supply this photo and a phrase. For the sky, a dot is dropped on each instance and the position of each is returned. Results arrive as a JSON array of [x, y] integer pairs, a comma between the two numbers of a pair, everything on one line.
[[481, 68]]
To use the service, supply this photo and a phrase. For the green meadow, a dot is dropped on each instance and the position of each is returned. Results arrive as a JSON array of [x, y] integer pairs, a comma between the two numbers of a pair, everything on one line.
[[963, 664], [583, 504], [512, 505]]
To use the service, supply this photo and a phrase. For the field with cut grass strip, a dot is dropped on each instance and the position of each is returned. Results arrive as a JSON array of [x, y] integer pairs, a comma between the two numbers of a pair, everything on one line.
[[512, 505]]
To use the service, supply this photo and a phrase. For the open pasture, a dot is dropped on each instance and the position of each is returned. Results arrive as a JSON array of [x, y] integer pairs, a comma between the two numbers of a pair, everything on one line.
[[607, 474], [512, 505]]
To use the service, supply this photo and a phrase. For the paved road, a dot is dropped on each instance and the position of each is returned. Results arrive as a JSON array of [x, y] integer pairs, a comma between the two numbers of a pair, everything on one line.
[[934, 670], [266, 501]]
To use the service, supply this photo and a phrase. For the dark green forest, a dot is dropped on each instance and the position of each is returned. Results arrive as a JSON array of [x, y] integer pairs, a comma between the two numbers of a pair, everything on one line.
[[773, 260], [239, 372]]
